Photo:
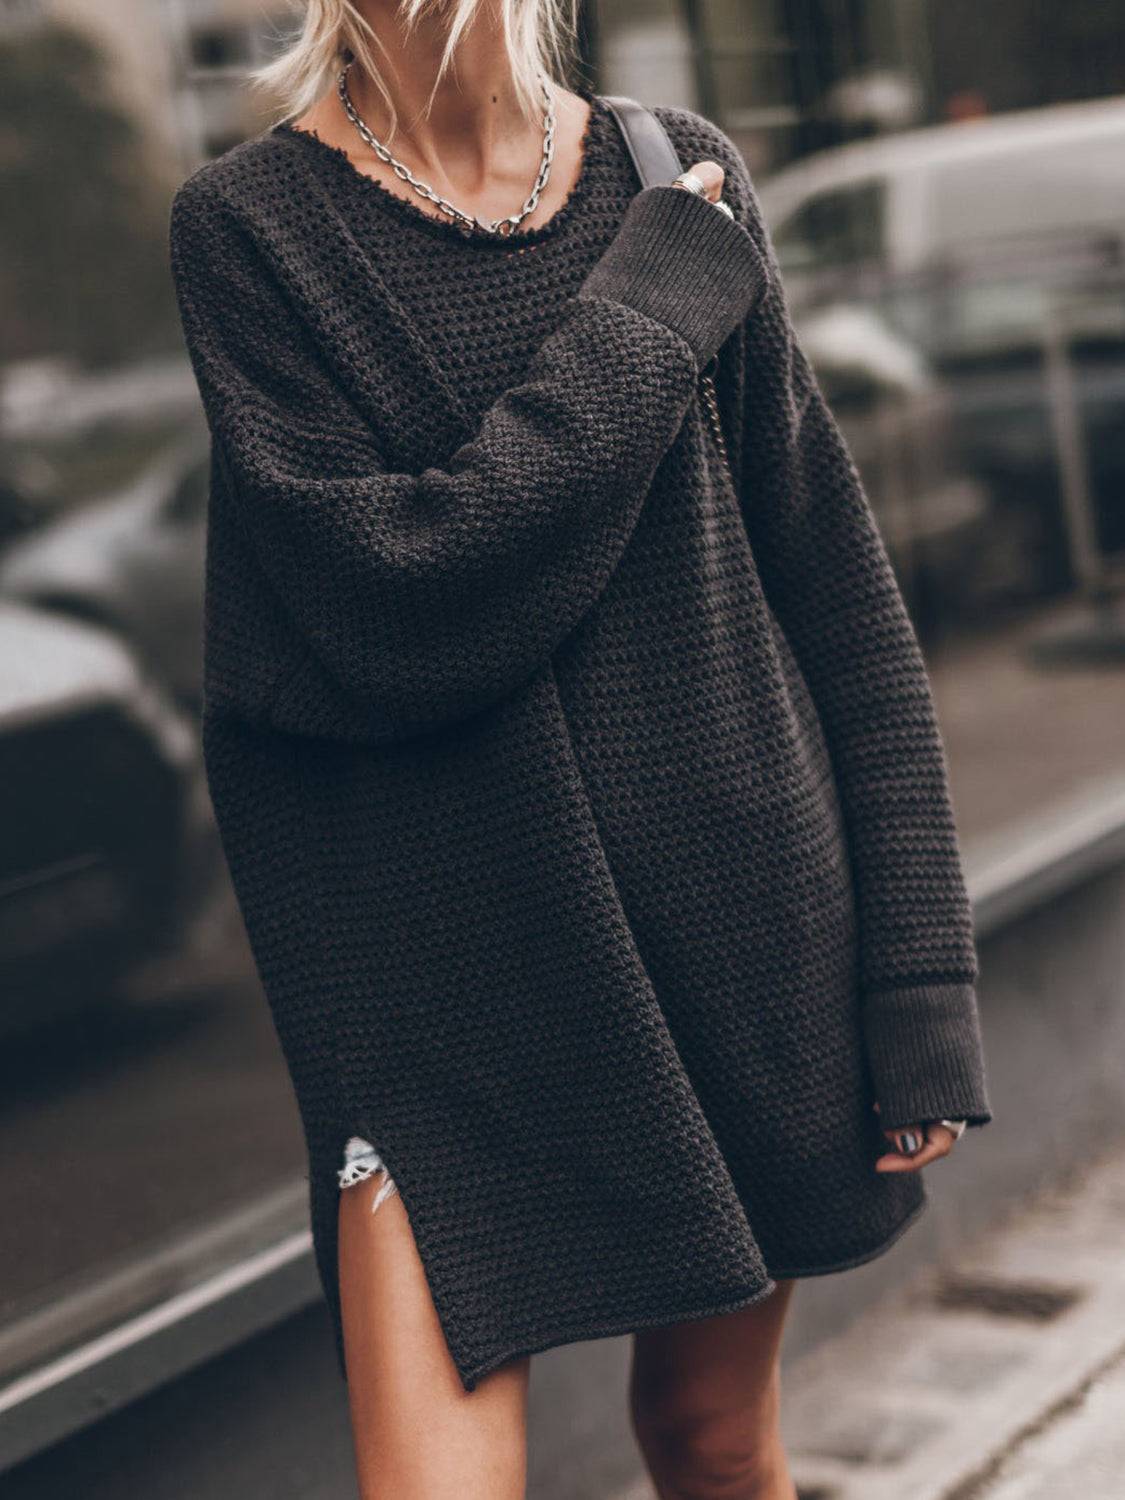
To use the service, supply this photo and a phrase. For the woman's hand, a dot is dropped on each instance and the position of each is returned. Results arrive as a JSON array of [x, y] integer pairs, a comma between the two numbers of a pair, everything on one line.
[[934, 1139], [711, 175]]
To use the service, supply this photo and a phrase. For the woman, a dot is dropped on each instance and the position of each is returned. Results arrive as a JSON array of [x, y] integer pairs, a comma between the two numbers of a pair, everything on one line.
[[572, 750]]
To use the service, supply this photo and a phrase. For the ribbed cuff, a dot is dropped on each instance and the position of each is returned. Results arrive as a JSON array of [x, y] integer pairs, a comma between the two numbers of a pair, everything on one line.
[[926, 1055], [680, 260]]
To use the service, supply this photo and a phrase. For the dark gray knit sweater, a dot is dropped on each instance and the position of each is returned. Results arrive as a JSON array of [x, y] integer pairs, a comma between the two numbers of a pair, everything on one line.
[[583, 798]]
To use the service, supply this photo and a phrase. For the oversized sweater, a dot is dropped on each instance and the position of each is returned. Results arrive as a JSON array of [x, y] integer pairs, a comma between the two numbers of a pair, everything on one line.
[[582, 793]]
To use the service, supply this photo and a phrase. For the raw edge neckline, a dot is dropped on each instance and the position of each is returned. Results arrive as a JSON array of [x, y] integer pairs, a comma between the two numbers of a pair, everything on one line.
[[415, 215]]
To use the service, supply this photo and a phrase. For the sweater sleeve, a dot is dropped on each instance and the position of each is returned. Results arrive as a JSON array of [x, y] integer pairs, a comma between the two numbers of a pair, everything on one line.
[[423, 598], [829, 581]]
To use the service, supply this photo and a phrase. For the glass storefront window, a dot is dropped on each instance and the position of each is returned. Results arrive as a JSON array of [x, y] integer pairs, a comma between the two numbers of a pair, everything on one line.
[[146, 1124]]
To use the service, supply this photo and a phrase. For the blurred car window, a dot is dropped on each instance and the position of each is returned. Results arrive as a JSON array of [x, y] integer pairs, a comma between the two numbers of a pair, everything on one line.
[[188, 499], [834, 231]]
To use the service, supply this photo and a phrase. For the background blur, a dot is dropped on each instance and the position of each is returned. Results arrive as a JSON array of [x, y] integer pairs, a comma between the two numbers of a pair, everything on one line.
[[944, 180]]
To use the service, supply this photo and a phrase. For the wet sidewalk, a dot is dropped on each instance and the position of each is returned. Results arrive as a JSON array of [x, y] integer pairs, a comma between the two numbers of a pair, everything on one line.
[[1000, 1376]]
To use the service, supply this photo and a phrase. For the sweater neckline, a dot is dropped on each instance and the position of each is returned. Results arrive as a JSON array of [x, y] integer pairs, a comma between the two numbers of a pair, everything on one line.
[[410, 212]]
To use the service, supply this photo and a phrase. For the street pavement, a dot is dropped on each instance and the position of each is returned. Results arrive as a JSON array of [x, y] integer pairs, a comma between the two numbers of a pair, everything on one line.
[[1080, 1453], [999, 1375]]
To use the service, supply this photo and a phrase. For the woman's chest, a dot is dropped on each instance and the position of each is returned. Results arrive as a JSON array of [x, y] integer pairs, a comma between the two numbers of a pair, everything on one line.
[[422, 328], [481, 312], [420, 333]]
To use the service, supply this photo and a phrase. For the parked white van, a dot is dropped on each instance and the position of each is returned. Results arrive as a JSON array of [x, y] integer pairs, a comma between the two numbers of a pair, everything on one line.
[[906, 204], [995, 250]]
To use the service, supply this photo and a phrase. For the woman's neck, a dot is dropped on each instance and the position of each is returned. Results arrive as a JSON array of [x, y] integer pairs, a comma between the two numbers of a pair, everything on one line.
[[474, 133], [475, 146]]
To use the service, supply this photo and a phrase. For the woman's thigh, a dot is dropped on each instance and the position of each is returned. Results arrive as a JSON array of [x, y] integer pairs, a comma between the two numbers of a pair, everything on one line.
[[705, 1394], [419, 1435]]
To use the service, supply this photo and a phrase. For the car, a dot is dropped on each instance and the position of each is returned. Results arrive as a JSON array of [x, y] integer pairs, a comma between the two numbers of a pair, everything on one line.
[[131, 561], [997, 249], [109, 852], [895, 416]]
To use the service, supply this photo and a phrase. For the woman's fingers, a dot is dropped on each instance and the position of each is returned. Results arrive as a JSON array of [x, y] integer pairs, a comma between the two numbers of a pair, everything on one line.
[[937, 1141], [711, 175]]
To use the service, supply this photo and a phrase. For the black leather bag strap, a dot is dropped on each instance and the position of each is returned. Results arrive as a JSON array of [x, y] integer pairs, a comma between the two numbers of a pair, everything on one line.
[[652, 152], [657, 163]]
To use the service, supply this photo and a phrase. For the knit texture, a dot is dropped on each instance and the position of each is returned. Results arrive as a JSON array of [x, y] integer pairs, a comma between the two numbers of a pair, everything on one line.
[[583, 796]]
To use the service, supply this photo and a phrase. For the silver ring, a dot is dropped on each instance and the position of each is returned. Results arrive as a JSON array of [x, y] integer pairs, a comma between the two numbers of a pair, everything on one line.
[[726, 208], [957, 1127], [693, 183]]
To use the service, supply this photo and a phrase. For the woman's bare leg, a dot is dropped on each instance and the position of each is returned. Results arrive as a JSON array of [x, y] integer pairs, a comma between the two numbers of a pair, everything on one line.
[[705, 1402], [418, 1434]]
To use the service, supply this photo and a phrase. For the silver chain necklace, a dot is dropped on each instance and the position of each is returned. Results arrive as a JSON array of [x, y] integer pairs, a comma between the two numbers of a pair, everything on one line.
[[467, 222]]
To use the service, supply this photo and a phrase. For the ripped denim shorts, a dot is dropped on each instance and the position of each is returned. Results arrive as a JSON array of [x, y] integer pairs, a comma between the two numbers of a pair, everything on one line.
[[361, 1161]]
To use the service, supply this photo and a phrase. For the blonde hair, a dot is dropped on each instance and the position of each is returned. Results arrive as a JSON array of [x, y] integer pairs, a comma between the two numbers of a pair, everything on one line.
[[538, 37]]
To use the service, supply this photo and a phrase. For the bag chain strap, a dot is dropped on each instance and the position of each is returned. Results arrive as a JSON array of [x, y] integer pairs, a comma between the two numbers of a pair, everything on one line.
[[711, 406]]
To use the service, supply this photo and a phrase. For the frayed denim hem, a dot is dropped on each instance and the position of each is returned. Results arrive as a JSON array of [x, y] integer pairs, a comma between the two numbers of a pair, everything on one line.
[[361, 1161]]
